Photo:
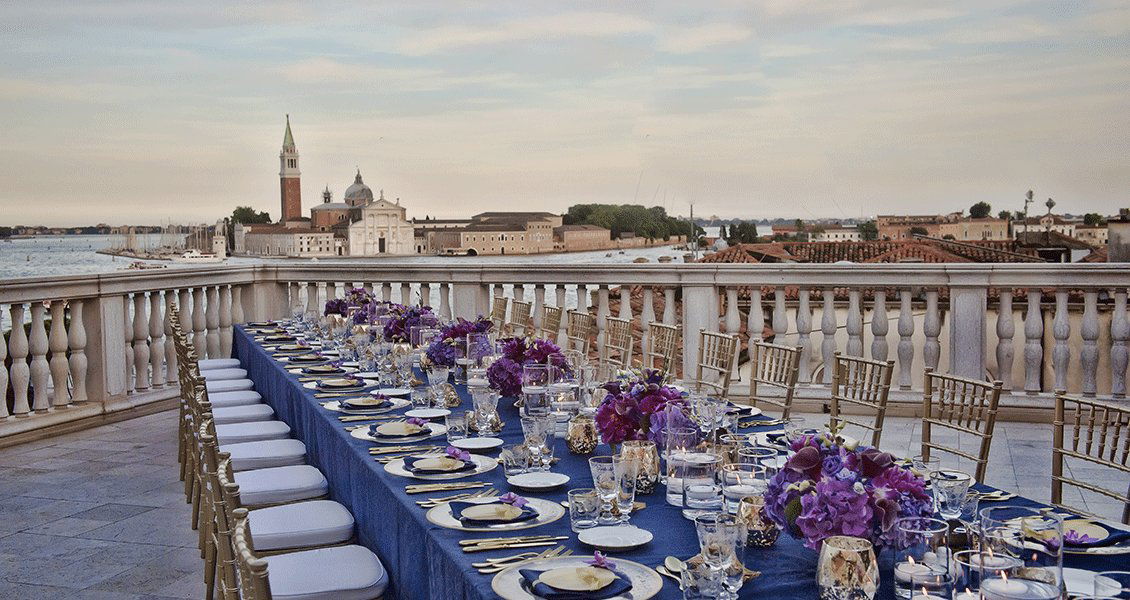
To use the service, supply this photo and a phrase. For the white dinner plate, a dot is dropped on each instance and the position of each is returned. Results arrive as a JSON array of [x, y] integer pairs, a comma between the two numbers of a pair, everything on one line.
[[313, 385], [335, 405], [745, 412], [1079, 582], [646, 583], [548, 512], [437, 429], [538, 481], [427, 413], [482, 465], [617, 538], [368, 374], [394, 391], [762, 439], [477, 444]]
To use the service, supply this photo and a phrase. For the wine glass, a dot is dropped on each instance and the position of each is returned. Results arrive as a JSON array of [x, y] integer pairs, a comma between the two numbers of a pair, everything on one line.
[[603, 469], [718, 537]]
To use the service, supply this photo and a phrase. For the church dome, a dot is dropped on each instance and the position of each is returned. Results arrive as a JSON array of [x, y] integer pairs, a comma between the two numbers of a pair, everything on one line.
[[358, 194]]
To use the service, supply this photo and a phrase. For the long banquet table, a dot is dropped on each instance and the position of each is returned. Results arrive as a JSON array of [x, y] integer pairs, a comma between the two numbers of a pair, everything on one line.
[[425, 561]]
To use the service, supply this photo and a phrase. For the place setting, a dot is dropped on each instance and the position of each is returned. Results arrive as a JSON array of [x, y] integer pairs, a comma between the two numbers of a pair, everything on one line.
[[452, 463], [314, 370], [400, 431], [338, 386], [505, 513], [573, 577], [372, 404]]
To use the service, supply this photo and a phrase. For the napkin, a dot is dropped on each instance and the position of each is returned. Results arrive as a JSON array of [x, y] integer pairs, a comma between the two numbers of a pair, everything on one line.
[[1111, 540], [365, 404], [390, 431], [410, 466], [322, 370], [457, 509], [307, 358], [339, 384], [621, 585]]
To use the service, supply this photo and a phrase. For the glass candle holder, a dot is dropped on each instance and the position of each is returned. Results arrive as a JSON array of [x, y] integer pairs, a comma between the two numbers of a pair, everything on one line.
[[761, 531], [741, 480], [702, 489], [966, 574], [680, 443], [581, 436], [535, 388], [1021, 554], [920, 550], [645, 453], [932, 587], [847, 569]]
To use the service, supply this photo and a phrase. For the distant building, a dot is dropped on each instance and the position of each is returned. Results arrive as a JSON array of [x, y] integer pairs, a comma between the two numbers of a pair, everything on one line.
[[970, 229], [283, 241], [1054, 223], [376, 226], [837, 234], [577, 238], [290, 182], [1095, 235], [498, 233], [897, 227]]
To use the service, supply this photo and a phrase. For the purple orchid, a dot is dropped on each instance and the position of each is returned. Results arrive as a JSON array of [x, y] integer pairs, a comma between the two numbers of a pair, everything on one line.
[[454, 452], [513, 499], [638, 408], [417, 421], [1076, 538], [601, 561]]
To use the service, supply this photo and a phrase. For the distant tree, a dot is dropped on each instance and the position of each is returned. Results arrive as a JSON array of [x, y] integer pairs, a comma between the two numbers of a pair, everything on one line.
[[948, 236], [5, 232], [722, 231], [248, 216], [1004, 214], [1093, 219], [980, 210], [916, 230], [868, 230]]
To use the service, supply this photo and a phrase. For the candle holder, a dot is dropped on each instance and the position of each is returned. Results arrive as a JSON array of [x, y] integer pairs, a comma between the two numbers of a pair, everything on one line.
[[580, 435], [847, 569], [761, 531], [932, 587], [644, 452], [920, 551], [1021, 554]]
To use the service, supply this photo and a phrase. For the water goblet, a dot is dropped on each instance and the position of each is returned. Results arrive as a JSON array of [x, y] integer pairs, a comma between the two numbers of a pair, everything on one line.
[[950, 491], [627, 473], [584, 508], [535, 430], [718, 537], [604, 481], [421, 398], [515, 459], [700, 582], [485, 403]]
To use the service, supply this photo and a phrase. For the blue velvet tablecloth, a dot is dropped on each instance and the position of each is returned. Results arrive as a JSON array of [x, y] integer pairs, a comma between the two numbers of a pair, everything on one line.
[[425, 561]]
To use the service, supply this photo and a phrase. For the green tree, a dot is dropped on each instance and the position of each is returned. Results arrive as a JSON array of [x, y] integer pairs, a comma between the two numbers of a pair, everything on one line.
[[651, 223], [948, 236], [722, 231], [1004, 214], [916, 230], [248, 216], [1093, 219], [868, 230], [980, 210]]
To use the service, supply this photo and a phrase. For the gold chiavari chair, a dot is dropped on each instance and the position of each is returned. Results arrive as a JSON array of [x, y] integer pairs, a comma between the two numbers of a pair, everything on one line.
[[776, 367], [966, 406], [519, 319], [717, 354], [580, 330], [1097, 433], [864, 384], [662, 347], [498, 312], [618, 341], [550, 322]]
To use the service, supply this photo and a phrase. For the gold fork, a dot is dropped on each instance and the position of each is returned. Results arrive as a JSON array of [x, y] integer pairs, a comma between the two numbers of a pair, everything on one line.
[[434, 502], [494, 562], [489, 570]]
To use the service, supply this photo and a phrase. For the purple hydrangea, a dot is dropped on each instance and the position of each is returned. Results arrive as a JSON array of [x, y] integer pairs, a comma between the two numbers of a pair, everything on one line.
[[639, 408], [335, 306], [505, 374], [403, 319]]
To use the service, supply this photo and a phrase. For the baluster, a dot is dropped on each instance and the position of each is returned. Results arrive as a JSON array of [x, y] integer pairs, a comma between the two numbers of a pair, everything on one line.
[[20, 373], [4, 414], [199, 324], [539, 304], [755, 321], [58, 347], [879, 327], [312, 297], [184, 305], [425, 294], [519, 292], [564, 314], [386, 292], [602, 311], [583, 298], [1089, 330], [669, 306], [1061, 330], [367, 286], [127, 335], [156, 339], [804, 339], [225, 321], [212, 314], [76, 338], [1119, 334], [733, 320], [906, 344], [237, 304], [1005, 331], [445, 300], [1033, 343], [855, 323], [40, 372], [932, 326], [406, 294], [828, 327], [170, 346], [780, 319], [140, 342], [626, 313], [647, 316]]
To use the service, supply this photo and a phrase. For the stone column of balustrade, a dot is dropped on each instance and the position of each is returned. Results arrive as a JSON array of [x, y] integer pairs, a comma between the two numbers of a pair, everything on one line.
[[77, 362], [57, 342]]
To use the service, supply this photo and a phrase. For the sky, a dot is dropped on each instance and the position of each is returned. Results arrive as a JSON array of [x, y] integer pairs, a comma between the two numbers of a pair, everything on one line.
[[140, 111]]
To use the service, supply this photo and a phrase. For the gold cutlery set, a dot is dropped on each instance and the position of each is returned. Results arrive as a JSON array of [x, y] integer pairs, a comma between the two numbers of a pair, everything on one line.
[[503, 543], [424, 488], [494, 565], [434, 502], [384, 460]]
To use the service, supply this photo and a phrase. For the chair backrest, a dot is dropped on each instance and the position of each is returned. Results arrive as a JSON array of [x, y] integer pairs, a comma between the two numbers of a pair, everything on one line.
[[618, 341], [863, 385], [498, 312], [580, 330], [966, 406], [519, 318], [717, 353], [252, 571], [1093, 432], [774, 366], [662, 347], [550, 322]]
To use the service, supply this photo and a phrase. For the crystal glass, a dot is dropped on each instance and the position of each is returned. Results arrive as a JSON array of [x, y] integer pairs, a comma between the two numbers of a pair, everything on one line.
[[479, 347], [847, 569], [456, 426], [427, 336], [627, 470], [920, 550], [535, 387], [414, 335], [1113, 585], [719, 534], [950, 490], [437, 375], [1021, 553], [796, 428], [606, 485], [733, 574], [728, 446], [679, 444], [584, 508], [742, 480], [644, 451], [700, 582], [462, 363], [421, 398], [515, 459], [702, 488], [485, 403], [707, 412], [923, 466], [581, 435], [536, 431]]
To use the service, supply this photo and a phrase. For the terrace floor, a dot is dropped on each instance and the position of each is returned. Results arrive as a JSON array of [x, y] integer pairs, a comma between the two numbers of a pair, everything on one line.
[[100, 514]]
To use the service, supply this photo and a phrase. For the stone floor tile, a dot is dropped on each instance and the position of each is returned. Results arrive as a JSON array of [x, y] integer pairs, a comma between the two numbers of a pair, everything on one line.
[[21, 512], [177, 573], [164, 526], [67, 526], [112, 512]]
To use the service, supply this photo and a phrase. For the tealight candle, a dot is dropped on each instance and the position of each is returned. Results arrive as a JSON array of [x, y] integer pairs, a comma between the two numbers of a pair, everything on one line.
[[1003, 588], [967, 595], [907, 571]]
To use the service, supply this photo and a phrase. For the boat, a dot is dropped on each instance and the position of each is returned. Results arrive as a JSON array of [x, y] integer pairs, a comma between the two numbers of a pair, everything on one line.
[[197, 257], [640, 259], [138, 265]]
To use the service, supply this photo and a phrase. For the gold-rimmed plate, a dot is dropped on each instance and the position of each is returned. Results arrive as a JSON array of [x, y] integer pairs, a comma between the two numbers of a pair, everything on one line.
[[482, 465], [548, 512], [336, 405], [646, 583], [434, 430]]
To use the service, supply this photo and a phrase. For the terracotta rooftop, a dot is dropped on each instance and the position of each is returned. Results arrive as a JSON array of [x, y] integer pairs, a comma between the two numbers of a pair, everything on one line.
[[931, 250]]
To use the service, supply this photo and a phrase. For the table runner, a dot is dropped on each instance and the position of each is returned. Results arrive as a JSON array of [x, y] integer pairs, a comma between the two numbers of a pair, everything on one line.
[[424, 561]]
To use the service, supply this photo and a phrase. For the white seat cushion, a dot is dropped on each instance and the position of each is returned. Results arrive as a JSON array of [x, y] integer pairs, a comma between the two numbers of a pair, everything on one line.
[[280, 484], [337, 573], [223, 374], [265, 454], [314, 523], [218, 363], [243, 414], [228, 385], [237, 433], [239, 398]]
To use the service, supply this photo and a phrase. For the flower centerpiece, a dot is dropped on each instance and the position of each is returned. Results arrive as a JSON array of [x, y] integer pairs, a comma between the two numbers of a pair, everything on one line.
[[830, 488], [505, 374], [401, 320], [355, 300], [640, 407], [444, 349]]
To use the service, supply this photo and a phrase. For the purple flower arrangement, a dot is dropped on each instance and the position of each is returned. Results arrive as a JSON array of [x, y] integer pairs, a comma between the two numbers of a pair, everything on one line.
[[445, 348], [403, 318], [513, 499], [640, 408], [356, 299], [335, 306], [828, 488], [505, 374]]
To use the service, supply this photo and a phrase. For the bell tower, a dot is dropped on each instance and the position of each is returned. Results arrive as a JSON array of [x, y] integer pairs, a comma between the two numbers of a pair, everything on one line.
[[289, 178]]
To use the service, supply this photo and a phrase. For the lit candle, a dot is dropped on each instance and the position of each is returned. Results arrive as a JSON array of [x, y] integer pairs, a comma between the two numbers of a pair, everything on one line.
[[907, 571], [925, 595], [1003, 588], [967, 595]]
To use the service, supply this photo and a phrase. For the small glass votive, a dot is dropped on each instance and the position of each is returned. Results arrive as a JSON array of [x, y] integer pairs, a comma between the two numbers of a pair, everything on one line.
[[421, 398], [921, 551], [701, 489], [761, 531], [742, 480], [477, 378], [932, 587], [456, 426], [584, 508], [967, 573], [581, 435], [515, 459]]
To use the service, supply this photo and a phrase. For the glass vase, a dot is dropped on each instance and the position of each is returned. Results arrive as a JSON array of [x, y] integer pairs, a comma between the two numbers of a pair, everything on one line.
[[644, 452]]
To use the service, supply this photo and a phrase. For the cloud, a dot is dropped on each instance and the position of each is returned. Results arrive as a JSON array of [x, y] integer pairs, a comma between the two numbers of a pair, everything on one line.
[[563, 25], [703, 37]]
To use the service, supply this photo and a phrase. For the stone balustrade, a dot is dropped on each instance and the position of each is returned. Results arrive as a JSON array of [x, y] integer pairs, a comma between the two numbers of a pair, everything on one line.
[[89, 346]]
